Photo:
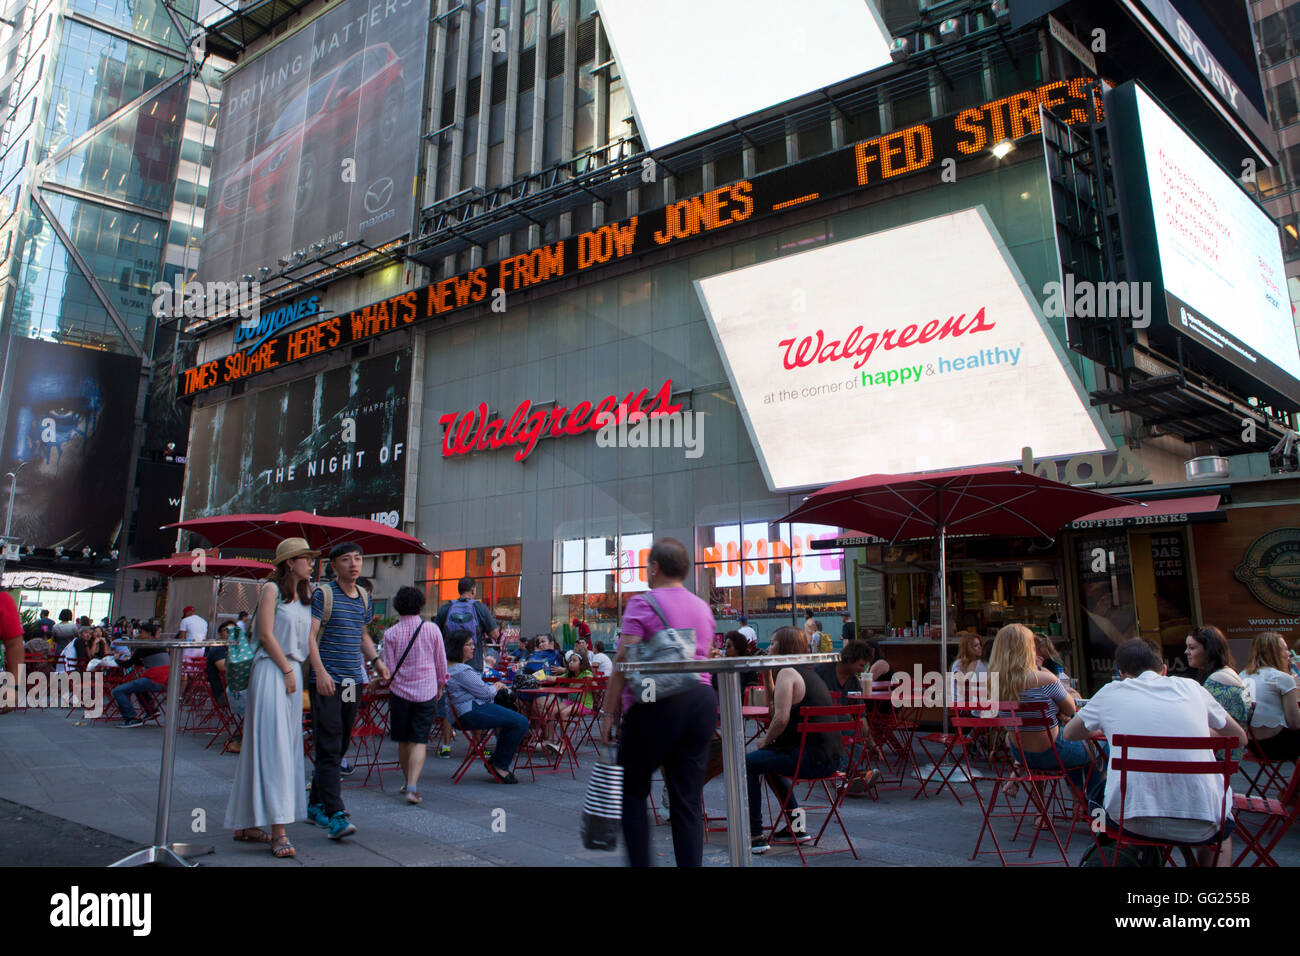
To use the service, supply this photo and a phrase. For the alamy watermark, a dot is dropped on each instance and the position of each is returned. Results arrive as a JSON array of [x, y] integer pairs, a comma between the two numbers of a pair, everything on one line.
[[1083, 299], [194, 300], [939, 689], [638, 430], [38, 689]]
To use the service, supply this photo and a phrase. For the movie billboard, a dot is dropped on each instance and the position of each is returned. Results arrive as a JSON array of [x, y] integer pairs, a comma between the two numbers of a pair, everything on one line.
[[71, 414], [334, 443], [318, 139]]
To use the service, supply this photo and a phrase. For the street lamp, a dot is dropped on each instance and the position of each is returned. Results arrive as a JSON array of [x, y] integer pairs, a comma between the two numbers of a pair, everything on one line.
[[9, 518]]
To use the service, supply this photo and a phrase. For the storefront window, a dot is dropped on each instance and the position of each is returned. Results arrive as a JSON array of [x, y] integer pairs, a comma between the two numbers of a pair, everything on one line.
[[496, 571], [770, 573]]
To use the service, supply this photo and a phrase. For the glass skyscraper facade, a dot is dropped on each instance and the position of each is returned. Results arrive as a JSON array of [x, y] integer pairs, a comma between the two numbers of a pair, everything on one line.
[[107, 137]]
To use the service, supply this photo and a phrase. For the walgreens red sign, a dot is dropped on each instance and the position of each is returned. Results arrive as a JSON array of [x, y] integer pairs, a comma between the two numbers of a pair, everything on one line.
[[477, 430]]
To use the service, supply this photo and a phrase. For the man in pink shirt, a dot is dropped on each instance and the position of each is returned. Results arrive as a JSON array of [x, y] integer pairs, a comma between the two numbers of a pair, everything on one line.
[[669, 730], [417, 661]]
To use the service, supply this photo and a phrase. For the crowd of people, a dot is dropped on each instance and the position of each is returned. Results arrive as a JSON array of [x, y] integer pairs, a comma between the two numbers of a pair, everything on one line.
[[317, 640]]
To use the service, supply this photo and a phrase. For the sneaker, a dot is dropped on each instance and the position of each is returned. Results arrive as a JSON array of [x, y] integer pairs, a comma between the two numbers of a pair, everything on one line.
[[340, 826], [316, 815], [444, 751], [133, 722], [862, 783], [346, 769], [758, 845], [784, 835], [553, 747]]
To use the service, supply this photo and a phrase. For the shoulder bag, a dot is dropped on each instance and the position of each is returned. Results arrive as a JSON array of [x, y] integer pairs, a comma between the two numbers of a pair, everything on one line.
[[668, 644]]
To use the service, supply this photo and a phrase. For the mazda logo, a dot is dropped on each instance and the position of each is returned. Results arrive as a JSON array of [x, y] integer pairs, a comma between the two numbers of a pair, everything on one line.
[[379, 194]]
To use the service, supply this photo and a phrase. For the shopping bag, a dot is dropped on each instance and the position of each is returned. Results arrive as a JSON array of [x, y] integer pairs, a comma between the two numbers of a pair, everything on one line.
[[602, 812]]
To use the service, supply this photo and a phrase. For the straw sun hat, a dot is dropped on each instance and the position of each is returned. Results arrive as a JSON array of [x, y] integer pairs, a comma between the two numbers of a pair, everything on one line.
[[291, 548]]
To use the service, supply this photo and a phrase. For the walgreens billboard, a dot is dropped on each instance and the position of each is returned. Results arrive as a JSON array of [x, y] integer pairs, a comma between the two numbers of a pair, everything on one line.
[[912, 349], [318, 139]]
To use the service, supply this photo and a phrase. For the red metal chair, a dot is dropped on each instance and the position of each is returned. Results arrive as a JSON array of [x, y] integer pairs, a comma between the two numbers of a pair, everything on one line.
[[1070, 803], [590, 723], [1122, 761], [1279, 816], [1009, 780], [893, 726], [1270, 775], [844, 720], [476, 739], [373, 730]]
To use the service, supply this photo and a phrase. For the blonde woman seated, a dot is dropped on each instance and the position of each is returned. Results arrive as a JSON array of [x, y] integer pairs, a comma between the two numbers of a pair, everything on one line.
[[1276, 720], [1019, 678]]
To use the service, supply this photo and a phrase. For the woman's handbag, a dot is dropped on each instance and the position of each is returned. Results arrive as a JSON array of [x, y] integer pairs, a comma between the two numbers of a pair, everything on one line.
[[602, 812], [669, 644], [239, 657]]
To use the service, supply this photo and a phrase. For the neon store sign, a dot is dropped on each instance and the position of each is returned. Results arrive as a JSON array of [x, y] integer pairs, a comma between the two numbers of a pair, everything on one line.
[[754, 557], [476, 430]]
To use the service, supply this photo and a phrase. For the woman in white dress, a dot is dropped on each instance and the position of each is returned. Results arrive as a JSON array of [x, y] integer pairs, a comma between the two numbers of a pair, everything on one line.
[[270, 788]]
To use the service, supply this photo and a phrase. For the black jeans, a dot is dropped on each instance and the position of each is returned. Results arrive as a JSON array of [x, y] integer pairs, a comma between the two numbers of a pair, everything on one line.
[[673, 734], [331, 727]]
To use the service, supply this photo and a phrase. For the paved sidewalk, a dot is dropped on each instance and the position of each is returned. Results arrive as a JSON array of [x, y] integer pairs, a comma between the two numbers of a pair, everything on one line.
[[105, 778]]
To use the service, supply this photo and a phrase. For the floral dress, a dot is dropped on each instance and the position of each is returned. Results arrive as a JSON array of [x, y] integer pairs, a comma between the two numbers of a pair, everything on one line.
[[1232, 697]]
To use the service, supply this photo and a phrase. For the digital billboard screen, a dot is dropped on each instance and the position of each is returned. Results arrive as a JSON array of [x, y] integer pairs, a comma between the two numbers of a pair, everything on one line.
[[334, 443], [894, 371], [746, 56], [71, 414], [318, 139], [1215, 252]]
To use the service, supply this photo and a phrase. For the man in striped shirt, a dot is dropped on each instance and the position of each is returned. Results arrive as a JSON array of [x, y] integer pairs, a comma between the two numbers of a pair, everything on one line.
[[339, 643]]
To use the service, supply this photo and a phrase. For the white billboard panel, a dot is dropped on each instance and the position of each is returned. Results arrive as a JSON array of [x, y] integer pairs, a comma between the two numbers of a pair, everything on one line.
[[913, 349], [1220, 253], [691, 66]]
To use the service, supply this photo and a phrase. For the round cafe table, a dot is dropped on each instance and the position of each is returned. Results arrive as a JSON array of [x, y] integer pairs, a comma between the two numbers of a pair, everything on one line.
[[162, 852], [728, 671]]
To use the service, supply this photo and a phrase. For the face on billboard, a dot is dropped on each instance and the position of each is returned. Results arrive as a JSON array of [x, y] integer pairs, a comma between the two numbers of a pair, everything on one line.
[[913, 349], [69, 426], [334, 443], [1220, 254], [318, 139], [748, 56]]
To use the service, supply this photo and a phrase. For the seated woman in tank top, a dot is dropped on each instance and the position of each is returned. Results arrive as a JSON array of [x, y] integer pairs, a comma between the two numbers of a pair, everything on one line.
[[1018, 678], [793, 688]]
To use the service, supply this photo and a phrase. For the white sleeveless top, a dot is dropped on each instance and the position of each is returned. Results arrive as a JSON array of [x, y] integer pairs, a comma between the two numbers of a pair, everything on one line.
[[292, 630]]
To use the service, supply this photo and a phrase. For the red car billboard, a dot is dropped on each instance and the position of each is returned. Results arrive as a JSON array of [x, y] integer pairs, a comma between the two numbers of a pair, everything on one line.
[[318, 139]]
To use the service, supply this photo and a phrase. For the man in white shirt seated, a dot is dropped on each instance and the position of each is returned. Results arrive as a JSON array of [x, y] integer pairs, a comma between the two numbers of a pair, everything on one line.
[[1178, 808], [600, 661], [193, 628]]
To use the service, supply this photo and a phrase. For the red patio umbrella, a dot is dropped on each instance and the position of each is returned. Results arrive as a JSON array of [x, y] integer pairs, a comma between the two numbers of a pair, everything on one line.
[[264, 531], [1001, 501], [187, 565]]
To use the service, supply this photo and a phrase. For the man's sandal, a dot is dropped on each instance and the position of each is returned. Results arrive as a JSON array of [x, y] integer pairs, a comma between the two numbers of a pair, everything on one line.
[[252, 835], [283, 849]]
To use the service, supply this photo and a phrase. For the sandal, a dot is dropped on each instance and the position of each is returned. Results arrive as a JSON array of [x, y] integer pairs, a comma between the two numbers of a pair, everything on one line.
[[252, 835], [283, 849], [413, 797]]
